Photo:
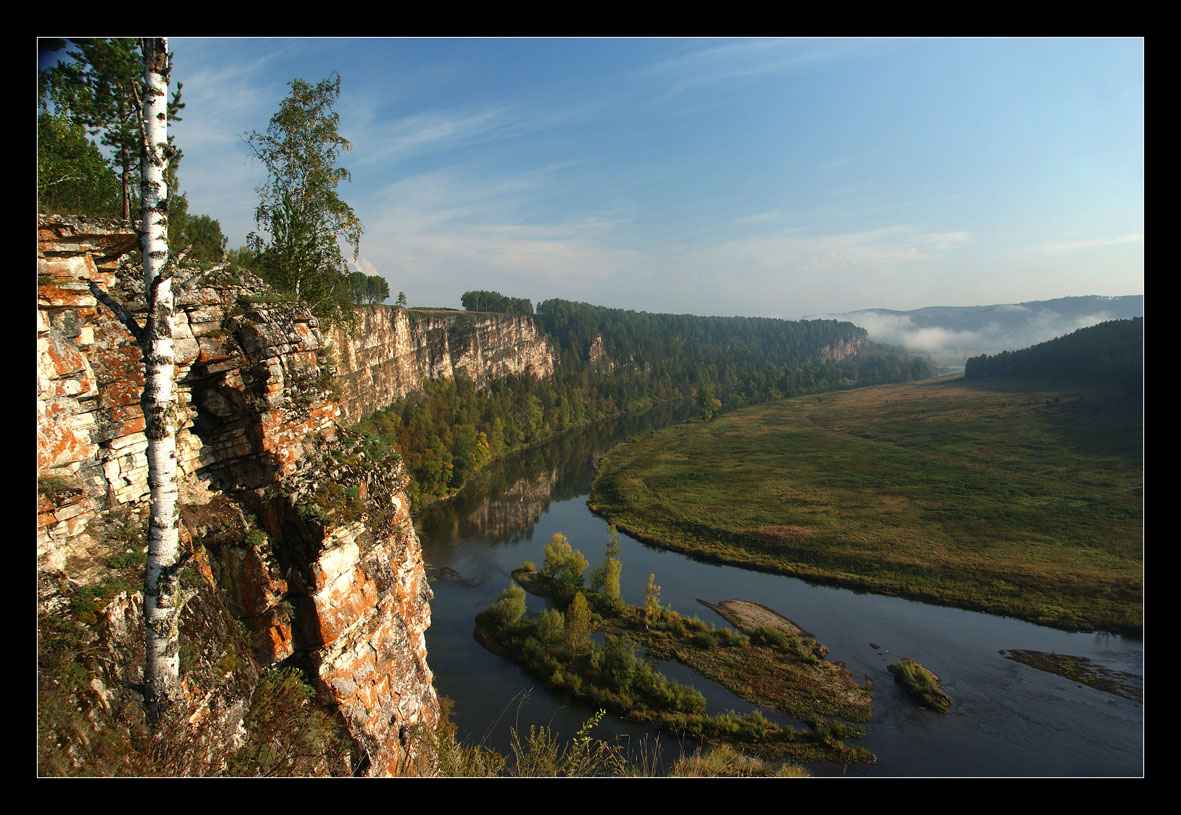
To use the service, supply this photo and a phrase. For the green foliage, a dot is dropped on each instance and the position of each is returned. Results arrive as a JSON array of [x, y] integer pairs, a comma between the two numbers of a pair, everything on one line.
[[301, 217], [495, 302], [920, 683], [201, 234], [563, 566], [287, 734], [368, 288], [706, 402], [98, 87], [605, 579], [652, 610], [1110, 352], [578, 623], [507, 611], [72, 176]]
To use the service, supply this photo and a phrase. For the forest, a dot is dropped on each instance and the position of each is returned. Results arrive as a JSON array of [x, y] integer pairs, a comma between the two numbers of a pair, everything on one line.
[[450, 430], [1107, 353]]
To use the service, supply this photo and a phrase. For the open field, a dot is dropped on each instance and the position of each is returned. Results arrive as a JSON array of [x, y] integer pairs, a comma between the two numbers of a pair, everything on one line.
[[1012, 498]]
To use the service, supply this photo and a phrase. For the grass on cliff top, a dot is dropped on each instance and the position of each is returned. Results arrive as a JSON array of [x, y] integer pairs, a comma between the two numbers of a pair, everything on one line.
[[1010, 498]]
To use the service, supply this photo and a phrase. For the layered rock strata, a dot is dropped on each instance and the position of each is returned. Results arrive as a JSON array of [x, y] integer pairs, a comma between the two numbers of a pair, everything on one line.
[[392, 351], [296, 533]]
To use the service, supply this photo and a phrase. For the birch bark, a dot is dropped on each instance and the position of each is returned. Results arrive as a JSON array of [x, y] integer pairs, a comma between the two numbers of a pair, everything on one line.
[[162, 591]]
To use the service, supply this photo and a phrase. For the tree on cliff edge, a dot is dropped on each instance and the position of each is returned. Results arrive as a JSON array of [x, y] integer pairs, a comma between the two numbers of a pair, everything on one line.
[[300, 217], [163, 596]]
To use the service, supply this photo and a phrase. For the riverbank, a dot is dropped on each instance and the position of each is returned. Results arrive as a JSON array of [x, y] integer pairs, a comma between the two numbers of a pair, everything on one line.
[[1011, 499], [767, 666]]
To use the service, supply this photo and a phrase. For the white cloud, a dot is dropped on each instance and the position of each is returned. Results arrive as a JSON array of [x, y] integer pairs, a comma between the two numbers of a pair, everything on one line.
[[390, 141], [1072, 246], [822, 254], [742, 58]]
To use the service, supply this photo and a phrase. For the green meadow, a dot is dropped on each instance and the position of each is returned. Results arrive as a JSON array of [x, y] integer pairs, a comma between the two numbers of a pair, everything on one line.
[[1013, 498]]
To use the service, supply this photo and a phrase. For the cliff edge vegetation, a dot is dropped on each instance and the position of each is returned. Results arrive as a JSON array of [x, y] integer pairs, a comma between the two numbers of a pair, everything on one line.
[[1009, 497]]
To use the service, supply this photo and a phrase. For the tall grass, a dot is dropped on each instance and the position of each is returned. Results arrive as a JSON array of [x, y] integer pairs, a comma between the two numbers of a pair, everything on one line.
[[1012, 499]]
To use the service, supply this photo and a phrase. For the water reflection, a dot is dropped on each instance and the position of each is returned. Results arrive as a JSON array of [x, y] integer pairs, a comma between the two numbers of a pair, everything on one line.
[[1008, 719]]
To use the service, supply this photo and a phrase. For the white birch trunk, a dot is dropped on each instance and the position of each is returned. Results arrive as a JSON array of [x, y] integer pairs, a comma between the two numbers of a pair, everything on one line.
[[162, 597]]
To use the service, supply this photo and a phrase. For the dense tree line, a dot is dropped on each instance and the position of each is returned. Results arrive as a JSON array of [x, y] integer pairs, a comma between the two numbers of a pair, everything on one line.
[[495, 302], [449, 430], [370, 288], [1110, 352]]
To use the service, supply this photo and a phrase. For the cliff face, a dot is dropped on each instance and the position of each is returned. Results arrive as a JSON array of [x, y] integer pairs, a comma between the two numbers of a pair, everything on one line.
[[289, 528], [392, 351], [841, 349]]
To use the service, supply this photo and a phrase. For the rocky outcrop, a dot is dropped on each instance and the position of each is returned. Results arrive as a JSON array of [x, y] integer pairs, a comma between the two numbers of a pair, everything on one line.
[[392, 351], [294, 532], [841, 349]]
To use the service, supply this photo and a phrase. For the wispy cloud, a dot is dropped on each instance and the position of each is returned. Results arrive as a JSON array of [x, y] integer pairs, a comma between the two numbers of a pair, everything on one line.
[[740, 59], [388, 141], [1073, 246], [448, 231], [835, 252]]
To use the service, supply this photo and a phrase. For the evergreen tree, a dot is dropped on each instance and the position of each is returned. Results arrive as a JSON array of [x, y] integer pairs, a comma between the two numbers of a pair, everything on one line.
[[100, 88]]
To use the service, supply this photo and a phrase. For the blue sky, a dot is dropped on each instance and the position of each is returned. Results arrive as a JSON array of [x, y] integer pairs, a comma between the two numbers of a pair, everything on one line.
[[778, 178]]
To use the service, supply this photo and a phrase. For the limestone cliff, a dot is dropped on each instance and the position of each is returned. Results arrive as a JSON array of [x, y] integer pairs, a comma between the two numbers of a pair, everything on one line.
[[841, 349], [289, 528], [392, 351]]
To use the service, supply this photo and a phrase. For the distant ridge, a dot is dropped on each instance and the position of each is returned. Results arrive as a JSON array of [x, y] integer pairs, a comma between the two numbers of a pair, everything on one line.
[[952, 334], [1110, 352]]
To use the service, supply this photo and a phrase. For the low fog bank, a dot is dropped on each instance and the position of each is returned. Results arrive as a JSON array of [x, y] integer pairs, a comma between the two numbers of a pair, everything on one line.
[[949, 335]]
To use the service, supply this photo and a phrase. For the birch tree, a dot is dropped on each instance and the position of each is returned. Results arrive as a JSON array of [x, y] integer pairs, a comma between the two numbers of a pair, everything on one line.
[[99, 87], [163, 597], [301, 218]]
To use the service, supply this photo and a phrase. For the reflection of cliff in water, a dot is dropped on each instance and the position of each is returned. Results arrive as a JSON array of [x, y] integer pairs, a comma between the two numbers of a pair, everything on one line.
[[511, 513], [502, 503]]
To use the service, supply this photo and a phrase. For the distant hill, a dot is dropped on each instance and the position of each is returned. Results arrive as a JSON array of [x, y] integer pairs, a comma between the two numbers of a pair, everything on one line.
[[1110, 352], [952, 334]]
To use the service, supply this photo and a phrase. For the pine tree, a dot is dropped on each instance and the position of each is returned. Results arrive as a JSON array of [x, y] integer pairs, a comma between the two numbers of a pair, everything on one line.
[[100, 88]]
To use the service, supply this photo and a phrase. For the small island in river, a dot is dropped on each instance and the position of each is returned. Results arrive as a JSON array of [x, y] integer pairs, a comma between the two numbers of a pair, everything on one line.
[[1083, 670], [772, 663]]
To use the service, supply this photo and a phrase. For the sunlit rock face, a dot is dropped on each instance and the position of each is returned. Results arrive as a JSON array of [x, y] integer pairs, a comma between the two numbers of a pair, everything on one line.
[[258, 433], [392, 351]]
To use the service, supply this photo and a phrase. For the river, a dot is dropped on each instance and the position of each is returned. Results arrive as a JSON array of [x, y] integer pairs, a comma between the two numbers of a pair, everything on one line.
[[1007, 719]]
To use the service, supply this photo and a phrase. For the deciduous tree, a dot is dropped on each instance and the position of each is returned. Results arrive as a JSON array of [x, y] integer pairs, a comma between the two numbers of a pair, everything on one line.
[[301, 217], [100, 87], [163, 595]]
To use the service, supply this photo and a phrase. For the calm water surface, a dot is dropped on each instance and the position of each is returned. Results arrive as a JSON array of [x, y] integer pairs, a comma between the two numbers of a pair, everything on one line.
[[1007, 719]]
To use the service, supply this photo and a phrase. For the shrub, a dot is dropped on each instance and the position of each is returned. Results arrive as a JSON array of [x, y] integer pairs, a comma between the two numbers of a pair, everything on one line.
[[287, 734]]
